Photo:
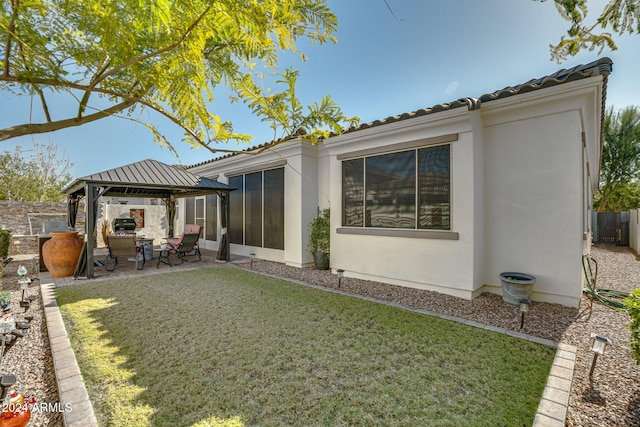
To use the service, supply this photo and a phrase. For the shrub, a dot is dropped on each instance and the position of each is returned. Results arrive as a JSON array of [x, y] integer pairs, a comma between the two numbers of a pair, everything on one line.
[[5, 241], [320, 233], [632, 305]]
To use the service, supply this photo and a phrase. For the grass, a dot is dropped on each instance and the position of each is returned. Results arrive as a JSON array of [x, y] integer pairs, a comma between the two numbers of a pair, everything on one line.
[[226, 347]]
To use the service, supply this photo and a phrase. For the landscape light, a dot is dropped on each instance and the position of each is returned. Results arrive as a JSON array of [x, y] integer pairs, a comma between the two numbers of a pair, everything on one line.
[[6, 381], [598, 346], [340, 276], [525, 304]]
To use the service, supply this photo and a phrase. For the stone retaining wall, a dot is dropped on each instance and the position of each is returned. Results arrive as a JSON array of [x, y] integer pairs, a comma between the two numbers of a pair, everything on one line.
[[14, 216]]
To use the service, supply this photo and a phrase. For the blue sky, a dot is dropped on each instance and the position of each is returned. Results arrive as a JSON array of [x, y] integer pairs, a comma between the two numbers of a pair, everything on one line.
[[433, 52]]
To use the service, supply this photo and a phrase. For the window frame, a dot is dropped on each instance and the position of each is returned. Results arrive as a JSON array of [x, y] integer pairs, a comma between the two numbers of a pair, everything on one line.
[[415, 232], [244, 212]]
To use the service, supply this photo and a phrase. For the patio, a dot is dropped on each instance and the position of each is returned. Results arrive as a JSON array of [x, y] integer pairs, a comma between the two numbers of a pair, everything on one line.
[[127, 268]]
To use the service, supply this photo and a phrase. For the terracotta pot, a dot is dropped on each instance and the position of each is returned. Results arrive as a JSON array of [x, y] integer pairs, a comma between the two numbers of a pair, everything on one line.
[[17, 412], [61, 253], [15, 419]]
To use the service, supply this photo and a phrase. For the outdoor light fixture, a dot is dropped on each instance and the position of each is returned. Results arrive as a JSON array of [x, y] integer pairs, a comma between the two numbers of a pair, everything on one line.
[[251, 262], [6, 326], [22, 271], [340, 276], [24, 281], [598, 346], [525, 304]]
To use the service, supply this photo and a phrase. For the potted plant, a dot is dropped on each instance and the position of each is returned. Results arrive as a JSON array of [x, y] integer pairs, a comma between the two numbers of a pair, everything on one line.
[[319, 239], [104, 231]]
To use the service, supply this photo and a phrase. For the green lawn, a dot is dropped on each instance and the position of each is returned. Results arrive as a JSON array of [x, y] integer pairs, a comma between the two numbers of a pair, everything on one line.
[[223, 346]]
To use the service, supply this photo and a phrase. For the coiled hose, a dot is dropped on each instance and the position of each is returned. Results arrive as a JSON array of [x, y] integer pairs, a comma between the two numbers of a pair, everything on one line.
[[608, 297]]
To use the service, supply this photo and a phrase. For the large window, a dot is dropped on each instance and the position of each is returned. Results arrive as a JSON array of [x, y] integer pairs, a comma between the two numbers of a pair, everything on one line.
[[257, 209], [407, 189], [273, 218]]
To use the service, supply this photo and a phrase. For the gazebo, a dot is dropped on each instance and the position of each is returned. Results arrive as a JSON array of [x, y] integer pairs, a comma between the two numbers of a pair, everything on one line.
[[147, 179]]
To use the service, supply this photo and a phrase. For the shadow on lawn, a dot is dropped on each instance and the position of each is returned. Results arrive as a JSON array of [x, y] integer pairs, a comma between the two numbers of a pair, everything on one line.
[[127, 388]]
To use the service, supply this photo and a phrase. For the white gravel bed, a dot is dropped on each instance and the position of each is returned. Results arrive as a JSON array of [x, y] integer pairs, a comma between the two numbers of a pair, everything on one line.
[[611, 397]]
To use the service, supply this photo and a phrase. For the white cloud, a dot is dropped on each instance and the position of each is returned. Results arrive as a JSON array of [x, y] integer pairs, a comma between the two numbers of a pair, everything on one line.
[[451, 87]]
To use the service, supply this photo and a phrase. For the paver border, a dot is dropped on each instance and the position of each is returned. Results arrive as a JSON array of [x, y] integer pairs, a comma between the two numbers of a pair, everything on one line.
[[71, 389]]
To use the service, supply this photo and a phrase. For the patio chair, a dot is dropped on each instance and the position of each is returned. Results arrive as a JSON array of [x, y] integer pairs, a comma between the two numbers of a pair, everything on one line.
[[186, 245], [123, 247], [188, 229]]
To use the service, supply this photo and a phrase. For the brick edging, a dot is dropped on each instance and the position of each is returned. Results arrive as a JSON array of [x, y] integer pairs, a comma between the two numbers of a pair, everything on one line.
[[552, 410], [71, 388]]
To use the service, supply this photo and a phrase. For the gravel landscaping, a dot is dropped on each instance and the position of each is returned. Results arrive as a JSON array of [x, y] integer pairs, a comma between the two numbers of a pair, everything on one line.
[[29, 359], [611, 397]]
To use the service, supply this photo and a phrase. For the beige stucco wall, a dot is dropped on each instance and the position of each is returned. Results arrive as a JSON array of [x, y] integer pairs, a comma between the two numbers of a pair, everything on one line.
[[523, 171], [537, 200], [426, 263]]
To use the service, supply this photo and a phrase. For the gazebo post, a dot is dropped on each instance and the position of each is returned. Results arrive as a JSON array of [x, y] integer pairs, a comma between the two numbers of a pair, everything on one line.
[[227, 240], [90, 226]]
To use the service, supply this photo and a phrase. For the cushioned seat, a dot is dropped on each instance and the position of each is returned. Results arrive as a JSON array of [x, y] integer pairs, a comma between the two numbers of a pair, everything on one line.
[[123, 246]]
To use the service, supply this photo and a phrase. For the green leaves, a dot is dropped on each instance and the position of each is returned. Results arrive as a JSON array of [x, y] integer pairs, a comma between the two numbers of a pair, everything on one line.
[[620, 164], [284, 110], [319, 238], [622, 16], [632, 305], [163, 55], [39, 177]]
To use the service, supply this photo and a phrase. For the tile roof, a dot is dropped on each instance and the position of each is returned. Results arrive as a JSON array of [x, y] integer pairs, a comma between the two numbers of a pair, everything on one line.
[[602, 66]]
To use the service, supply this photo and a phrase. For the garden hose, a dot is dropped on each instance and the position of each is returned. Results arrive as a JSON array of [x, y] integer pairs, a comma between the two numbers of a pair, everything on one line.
[[608, 297]]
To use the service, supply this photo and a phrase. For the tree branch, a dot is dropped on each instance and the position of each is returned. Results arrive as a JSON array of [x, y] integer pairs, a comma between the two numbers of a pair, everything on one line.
[[32, 128], [129, 100], [45, 108], [85, 98], [12, 26]]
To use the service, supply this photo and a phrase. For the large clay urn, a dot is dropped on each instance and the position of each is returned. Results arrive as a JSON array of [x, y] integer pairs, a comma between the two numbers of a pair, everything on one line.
[[60, 253], [17, 411]]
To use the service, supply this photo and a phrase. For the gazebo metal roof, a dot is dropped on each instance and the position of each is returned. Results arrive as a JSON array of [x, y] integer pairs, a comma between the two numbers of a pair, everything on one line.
[[148, 178]]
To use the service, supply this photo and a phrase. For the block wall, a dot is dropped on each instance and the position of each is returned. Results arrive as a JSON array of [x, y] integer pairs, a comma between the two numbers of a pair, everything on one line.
[[14, 216]]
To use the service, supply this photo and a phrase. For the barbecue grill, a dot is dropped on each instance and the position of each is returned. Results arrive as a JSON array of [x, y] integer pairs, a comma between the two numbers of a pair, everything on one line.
[[124, 226]]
